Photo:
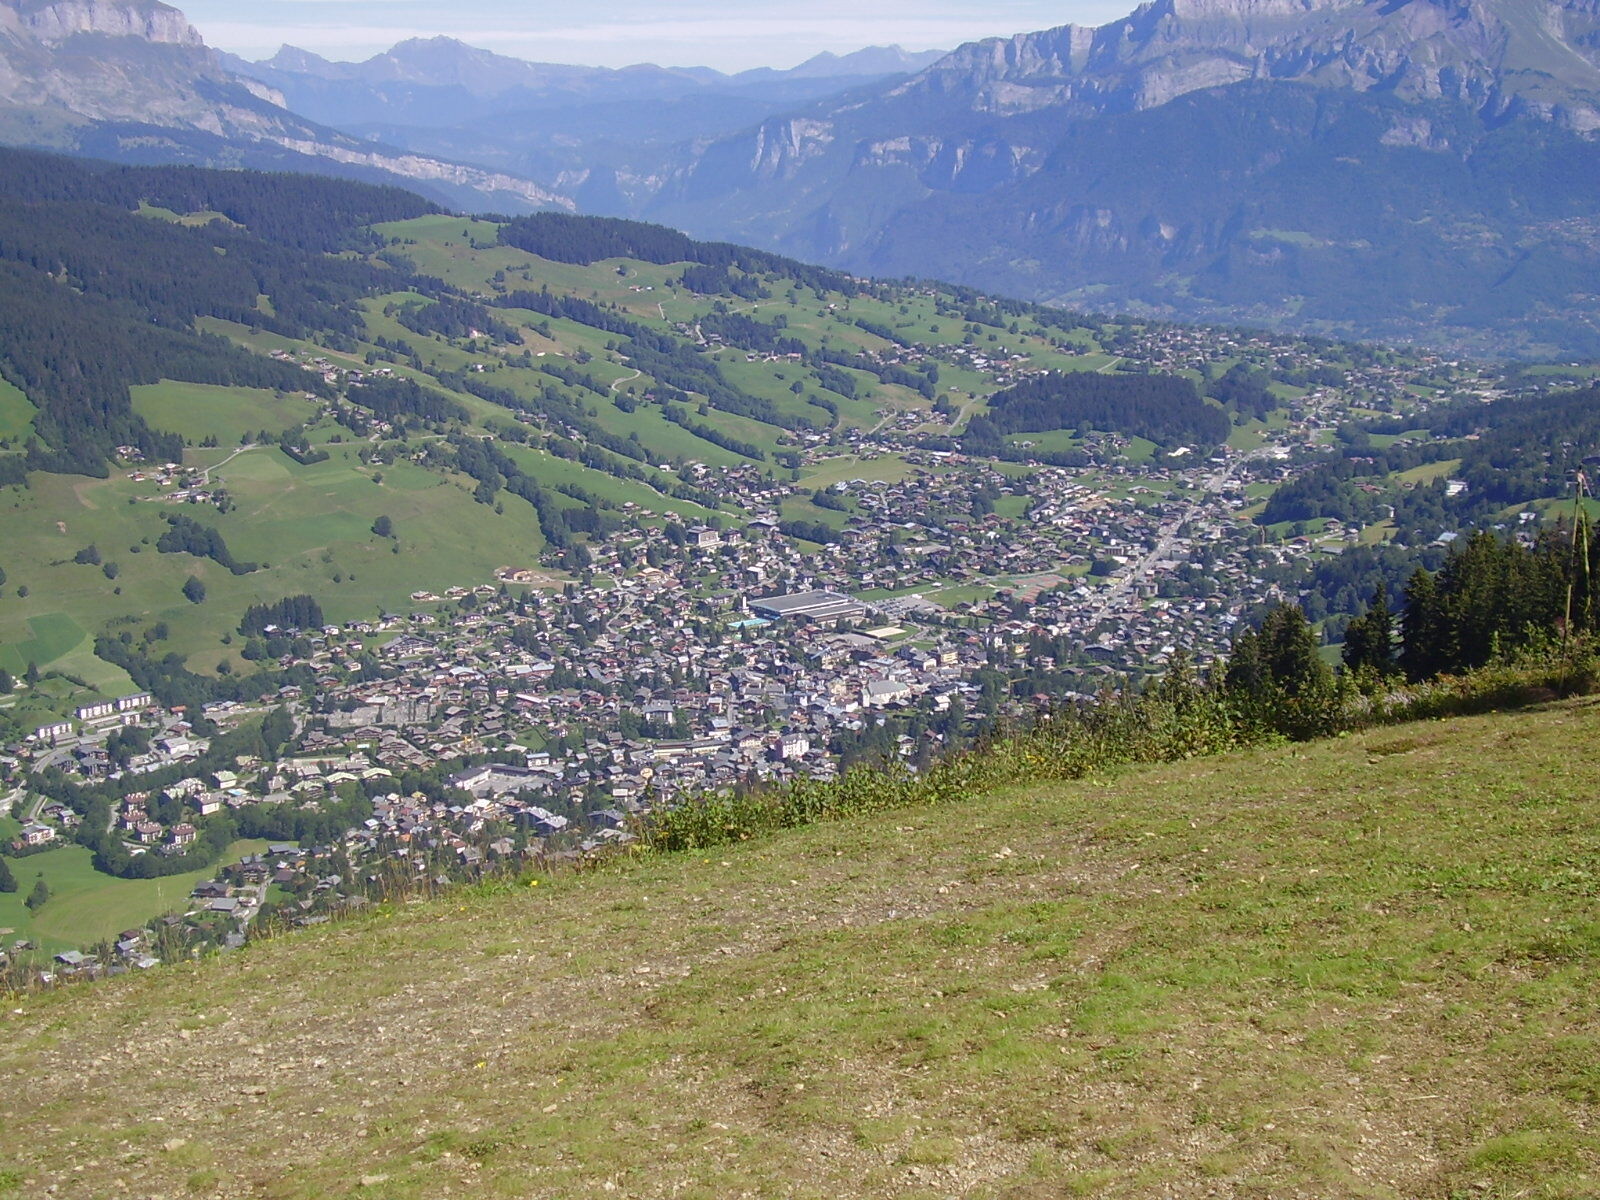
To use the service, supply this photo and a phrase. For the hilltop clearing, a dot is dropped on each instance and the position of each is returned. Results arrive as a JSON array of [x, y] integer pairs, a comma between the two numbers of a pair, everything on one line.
[[1360, 967]]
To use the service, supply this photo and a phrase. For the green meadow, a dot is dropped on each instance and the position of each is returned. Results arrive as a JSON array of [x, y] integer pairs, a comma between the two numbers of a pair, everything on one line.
[[230, 415], [85, 906], [16, 412]]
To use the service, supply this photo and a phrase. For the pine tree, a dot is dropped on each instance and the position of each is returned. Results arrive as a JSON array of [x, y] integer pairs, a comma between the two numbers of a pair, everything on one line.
[[1369, 639], [8, 881], [1289, 652], [1424, 628], [1246, 674]]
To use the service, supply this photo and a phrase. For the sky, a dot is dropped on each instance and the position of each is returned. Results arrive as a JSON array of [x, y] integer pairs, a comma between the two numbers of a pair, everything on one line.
[[730, 35]]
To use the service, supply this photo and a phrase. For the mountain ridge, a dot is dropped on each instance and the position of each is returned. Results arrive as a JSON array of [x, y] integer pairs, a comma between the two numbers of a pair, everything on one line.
[[1421, 49], [1177, 163], [996, 167], [133, 77]]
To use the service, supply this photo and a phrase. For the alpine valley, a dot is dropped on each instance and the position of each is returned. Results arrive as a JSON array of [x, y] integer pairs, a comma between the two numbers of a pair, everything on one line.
[[569, 632], [1422, 170]]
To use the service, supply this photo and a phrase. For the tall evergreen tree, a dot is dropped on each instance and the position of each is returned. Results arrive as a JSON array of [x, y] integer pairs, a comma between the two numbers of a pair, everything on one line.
[[1289, 651], [1276, 676], [1369, 640], [1425, 628]]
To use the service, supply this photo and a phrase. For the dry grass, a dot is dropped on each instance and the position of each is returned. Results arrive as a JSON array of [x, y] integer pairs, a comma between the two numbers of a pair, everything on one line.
[[1363, 968]]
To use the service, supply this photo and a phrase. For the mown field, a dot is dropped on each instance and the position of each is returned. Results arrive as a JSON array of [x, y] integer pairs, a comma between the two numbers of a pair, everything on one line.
[[1359, 968], [85, 906]]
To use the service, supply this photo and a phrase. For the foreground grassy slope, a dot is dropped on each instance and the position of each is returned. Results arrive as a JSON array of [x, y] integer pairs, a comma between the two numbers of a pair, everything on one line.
[[1363, 968]]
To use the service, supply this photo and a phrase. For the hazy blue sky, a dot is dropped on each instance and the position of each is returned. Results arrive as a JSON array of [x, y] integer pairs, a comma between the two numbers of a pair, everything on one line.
[[730, 35]]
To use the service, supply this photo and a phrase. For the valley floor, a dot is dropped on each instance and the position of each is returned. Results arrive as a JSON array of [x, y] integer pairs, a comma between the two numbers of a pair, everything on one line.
[[1359, 968]]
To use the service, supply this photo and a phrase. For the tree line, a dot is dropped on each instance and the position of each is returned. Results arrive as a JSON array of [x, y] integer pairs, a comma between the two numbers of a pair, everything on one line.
[[1166, 409], [561, 237]]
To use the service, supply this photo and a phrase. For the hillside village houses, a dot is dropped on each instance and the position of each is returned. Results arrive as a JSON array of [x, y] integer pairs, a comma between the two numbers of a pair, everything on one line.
[[499, 720]]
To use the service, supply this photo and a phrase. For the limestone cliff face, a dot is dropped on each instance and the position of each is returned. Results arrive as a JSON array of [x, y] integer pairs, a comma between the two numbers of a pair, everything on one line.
[[125, 60], [53, 21], [1541, 54]]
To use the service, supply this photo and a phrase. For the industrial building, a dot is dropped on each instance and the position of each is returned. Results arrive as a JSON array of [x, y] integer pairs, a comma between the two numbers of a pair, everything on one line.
[[810, 606]]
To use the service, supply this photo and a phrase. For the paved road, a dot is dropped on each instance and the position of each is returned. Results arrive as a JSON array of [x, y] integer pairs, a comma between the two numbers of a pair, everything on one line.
[[1112, 600]]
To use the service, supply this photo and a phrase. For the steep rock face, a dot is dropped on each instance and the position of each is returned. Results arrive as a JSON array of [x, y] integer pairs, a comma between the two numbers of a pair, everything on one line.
[[53, 21], [1487, 53], [101, 60]]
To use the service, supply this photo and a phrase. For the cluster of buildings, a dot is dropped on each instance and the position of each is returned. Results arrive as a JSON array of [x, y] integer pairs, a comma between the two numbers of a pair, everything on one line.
[[510, 720]]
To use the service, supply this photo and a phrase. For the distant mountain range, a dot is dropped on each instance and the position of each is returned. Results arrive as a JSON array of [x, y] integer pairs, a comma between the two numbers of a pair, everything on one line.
[[132, 81], [1399, 169], [596, 134]]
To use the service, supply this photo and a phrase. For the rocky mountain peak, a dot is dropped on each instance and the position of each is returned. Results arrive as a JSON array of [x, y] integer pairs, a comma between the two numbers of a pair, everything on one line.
[[293, 58]]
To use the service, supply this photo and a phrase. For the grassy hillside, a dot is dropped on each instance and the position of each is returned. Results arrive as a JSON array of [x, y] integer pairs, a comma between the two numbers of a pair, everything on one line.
[[1358, 968]]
